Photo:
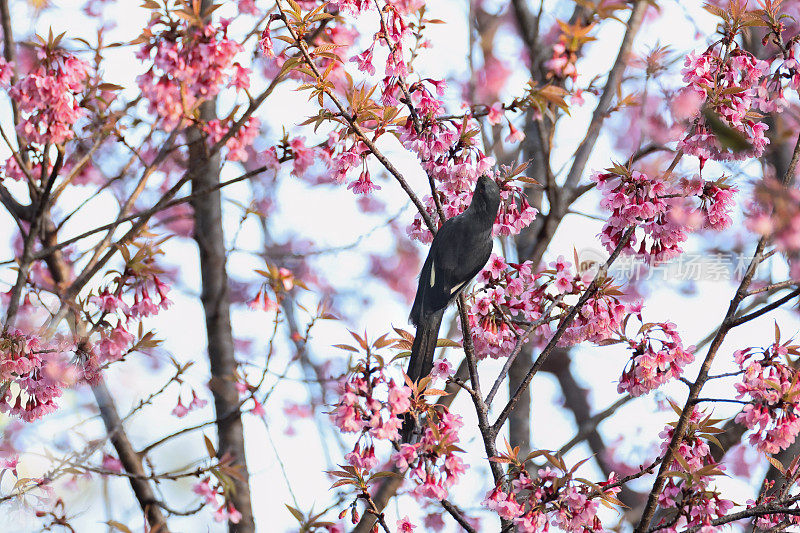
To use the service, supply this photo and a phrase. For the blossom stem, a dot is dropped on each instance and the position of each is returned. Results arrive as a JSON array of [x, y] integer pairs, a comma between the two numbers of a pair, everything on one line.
[[518, 347]]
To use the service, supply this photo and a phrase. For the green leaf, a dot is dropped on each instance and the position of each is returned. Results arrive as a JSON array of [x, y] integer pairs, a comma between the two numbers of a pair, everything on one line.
[[728, 137]]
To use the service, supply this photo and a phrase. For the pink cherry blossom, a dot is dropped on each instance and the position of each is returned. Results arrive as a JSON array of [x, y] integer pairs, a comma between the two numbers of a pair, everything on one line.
[[6, 72], [442, 368], [695, 501], [404, 525], [514, 134], [772, 387], [111, 463], [657, 356], [38, 372], [363, 185], [728, 87], [189, 66], [180, 410], [48, 96]]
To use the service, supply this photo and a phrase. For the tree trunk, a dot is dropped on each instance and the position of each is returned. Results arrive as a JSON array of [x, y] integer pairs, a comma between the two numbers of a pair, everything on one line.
[[215, 297]]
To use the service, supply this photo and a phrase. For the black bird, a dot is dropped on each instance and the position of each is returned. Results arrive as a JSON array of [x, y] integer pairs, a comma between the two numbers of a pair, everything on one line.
[[459, 251]]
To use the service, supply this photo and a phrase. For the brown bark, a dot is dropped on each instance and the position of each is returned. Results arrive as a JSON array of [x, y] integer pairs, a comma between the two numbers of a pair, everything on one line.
[[215, 297], [210, 240], [519, 423]]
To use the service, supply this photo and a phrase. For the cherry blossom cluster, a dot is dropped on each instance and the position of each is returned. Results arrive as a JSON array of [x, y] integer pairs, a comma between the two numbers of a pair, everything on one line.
[[344, 160], [515, 213], [599, 316], [375, 407], [730, 87], [394, 30], [247, 7], [432, 463], [456, 174], [181, 410], [361, 409], [770, 383], [237, 145], [303, 156], [635, 198], [210, 495], [6, 73], [661, 210], [48, 95], [190, 64], [562, 64], [515, 288], [716, 201], [278, 281], [139, 282], [513, 296], [689, 494], [657, 356], [554, 497], [32, 375], [12, 170]]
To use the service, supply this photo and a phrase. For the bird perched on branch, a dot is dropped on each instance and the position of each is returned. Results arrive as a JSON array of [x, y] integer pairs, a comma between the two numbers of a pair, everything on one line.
[[459, 251]]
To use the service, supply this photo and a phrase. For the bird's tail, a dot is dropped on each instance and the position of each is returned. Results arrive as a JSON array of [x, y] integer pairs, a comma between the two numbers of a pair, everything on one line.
[[420, 363]]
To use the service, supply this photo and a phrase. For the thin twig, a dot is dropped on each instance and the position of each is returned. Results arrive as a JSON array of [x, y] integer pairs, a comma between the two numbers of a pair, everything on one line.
[[766, 309], [456, 514], [591, 424], [604, 103], [518, 347]]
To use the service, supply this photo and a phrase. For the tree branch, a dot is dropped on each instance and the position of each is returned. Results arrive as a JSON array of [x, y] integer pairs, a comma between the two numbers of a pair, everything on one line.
[[131, 461]]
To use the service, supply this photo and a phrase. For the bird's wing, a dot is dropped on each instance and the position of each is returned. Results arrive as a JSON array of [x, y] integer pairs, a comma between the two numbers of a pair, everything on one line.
[[458, 252], [466, 254]]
